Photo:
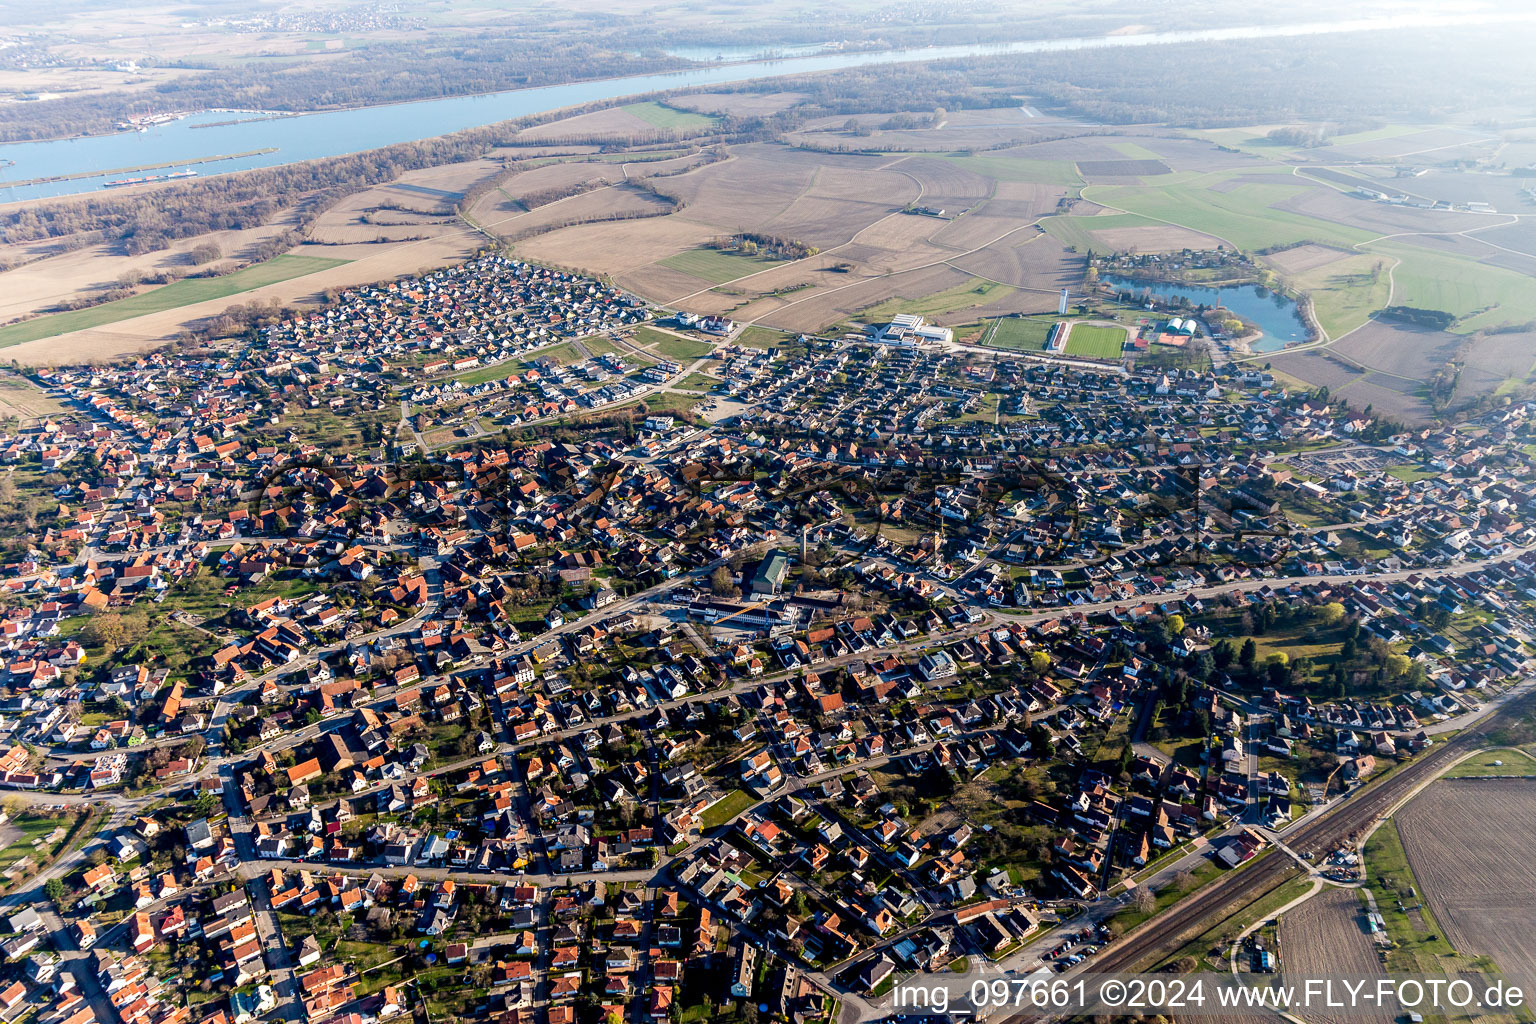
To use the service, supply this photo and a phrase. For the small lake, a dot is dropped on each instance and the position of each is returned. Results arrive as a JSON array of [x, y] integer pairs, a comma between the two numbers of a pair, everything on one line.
[[1276, 316]]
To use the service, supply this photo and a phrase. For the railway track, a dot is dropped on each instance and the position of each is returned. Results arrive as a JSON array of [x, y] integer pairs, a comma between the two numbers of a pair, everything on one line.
[[1165, 934]]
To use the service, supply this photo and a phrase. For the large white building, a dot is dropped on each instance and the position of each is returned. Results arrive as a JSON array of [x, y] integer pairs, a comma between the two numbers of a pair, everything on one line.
[[911, 329]]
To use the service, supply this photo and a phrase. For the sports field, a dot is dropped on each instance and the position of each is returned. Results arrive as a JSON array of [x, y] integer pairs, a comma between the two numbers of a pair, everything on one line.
[[715, 266], [1095, 342], [171, 296], [1017, 334], [663, 116]]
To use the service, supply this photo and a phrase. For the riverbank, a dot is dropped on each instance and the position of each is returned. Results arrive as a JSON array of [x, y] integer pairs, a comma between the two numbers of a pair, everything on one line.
[[343, 130], [141, 167]]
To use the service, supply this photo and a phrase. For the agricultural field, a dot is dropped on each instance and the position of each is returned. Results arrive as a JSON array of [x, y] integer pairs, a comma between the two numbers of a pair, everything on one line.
[[1467, 841], [1095, 341], [1326, 936], [1246, 216], [961, 297], [1478, 294], [716, 266], [668, 117], [166, 297], [1345, 289], [45, 277]]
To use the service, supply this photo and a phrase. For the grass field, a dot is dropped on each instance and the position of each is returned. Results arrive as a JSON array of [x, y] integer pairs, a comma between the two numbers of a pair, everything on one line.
[[1389, 876], [682, 349], [725, 808], [1017, 334], [673, 403], [1095, 342], [717, 267], [1243, 216], [481, 374], [763, 337], [1345, 292], [171, 296], [1514, 761], [671, 346], [663, 116], [1078, 231], [31, 830], [599, 345], [1484, 295], [964, 296]]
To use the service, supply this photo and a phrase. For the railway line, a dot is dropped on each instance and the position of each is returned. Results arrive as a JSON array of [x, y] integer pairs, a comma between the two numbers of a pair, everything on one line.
[[1165, 934]]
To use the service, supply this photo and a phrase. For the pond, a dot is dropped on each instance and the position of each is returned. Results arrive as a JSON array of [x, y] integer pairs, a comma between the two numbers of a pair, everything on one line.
[[1274, 314]]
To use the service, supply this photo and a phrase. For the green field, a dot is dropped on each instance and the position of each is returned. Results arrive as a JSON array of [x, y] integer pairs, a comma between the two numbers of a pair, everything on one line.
[[682, 349], [717, 267], [171, 296], [726, 808], [964, 296], [1486, 296], [763, 337], [1096, 342], [1078, 231], [1514, 761], [1135, 151], [1246, 216], [662, 116], [698, 382], [1005, 168], [674, 403], [1018, 334], [1345, 292], [481, 374], [671, 346]]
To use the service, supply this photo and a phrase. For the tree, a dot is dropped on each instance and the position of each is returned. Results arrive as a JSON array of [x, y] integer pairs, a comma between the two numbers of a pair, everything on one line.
[[1249, 654], [106, 631], [1039, 662], [55, 890], [1174, 626], [1330, 614], [1143, 900], [722, 583], [1398, 665]]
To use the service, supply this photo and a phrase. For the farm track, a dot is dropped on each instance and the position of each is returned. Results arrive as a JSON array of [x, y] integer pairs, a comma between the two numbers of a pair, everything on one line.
[[1163, 935]]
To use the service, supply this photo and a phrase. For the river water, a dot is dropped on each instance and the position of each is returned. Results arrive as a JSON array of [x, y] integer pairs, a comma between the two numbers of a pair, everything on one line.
[[1274, 314], [333, 133]]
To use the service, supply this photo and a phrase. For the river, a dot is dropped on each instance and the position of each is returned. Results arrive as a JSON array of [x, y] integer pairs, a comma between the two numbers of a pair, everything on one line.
[[92, 160], [1274, 314]]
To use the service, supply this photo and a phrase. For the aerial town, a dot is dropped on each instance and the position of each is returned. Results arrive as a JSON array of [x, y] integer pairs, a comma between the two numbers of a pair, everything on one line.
[[421, 655]]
